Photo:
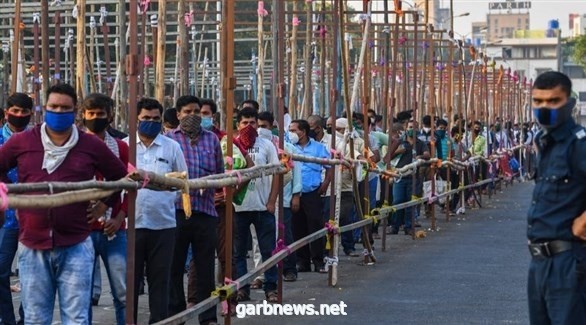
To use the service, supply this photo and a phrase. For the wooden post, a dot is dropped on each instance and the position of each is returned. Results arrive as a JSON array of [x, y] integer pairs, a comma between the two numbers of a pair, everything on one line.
[[160, 64], [80, 72], [36, 80], [45, 47], [105, 30], [184, 49], [15, 46], [57, 72], [90, 54], [261, 60], [307, 107]]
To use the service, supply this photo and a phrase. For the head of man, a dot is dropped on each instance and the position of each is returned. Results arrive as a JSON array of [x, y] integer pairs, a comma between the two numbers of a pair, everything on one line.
[[301, 128], [410, 129], [316, 127], [250, 103], [60, 108], [330, 125], [170, 121], [247, 123], [442, 126], [207, 111], [18, 111], [265, 125], [149, 116], [187, 105], [96, 111], [477, 127], [341, 126], [358, 120], [551, 101]]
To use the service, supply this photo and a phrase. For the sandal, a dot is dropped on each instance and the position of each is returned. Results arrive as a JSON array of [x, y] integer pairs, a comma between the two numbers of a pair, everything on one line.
[[272, 296], [256, 284]]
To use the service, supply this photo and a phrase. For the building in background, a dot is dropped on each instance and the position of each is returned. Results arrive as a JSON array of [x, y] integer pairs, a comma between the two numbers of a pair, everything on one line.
[[577, 25]]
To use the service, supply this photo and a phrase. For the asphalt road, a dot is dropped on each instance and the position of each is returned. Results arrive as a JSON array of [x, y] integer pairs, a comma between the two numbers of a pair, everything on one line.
[[472, 270]]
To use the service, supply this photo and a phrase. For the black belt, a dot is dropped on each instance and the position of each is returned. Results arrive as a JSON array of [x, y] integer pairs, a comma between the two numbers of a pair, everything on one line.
[[550, 248]]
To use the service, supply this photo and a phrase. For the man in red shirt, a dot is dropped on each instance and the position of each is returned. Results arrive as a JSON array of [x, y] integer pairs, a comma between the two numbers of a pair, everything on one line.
[[108, 229], [56, 252]]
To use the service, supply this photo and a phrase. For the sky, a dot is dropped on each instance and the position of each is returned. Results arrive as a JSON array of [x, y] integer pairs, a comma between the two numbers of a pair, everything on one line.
[[540, 13]]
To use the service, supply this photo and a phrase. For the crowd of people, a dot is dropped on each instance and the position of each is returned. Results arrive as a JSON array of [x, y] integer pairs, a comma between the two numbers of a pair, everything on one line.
[[76, 142]]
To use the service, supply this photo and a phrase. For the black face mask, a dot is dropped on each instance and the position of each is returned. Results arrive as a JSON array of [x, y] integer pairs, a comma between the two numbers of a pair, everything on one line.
[[19, 122], [476, 131], [312, 134], [329, 130], [96, 125]]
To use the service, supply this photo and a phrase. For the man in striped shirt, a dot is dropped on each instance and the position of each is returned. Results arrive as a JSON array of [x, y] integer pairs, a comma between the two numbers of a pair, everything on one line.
[[203, 155]]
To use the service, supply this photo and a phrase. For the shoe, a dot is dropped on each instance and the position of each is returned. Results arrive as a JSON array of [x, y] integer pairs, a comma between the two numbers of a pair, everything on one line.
[[320, 269], [242, 296], [351, 253], [95, 301], [290, 277], [303, 268], [256, 284], [272, 296], [392, 231]]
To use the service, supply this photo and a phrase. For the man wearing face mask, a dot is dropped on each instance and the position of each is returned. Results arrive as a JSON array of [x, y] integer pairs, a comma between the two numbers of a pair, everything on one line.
[[203, 155], [557, 216], [18, 114], [109, 231], [258, 207], [56, 253], [155, 210], [309, 218]]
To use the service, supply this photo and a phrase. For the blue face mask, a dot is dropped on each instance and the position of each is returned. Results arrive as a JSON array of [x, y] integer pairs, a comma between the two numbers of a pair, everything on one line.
[[59, 122], [149, 129], [551, 118], [206, 123], [440, 133]]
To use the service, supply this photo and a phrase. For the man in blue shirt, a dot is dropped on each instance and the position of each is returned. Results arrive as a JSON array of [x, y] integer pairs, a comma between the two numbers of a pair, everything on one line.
[[557, 216], [18, 115], [309, 219]]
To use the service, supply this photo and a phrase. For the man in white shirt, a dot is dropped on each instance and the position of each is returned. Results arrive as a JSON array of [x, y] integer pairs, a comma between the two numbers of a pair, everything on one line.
[[258, 206], [155, 210]]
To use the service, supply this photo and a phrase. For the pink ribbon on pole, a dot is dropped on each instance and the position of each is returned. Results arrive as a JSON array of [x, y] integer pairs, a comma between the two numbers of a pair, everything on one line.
[[3, 196], [147, 61], [281, 247], [261, 9], [296, 21], [188, 18]]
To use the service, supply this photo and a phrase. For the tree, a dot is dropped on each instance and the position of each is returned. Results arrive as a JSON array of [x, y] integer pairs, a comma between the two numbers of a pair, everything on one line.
[[579, 54]]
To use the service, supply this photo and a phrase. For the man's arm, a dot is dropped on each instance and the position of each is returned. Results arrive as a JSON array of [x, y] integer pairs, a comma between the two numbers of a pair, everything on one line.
[[273, 158]]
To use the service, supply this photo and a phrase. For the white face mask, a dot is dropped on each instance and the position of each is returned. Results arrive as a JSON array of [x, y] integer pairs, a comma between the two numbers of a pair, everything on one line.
[[426, 129], [265, 133], [293, 137]]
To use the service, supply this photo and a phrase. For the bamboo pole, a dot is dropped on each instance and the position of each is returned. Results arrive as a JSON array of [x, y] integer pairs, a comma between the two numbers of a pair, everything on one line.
[[91, 53], [105, 31], [260, 56], [161, 46], [45, 48], [293, 70], [80, 73], [121, 73], [36, 80], [306, 108], [16, 46]]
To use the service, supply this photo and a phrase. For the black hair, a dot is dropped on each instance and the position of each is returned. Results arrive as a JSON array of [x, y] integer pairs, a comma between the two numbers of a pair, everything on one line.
[[552, 79], [253, 102], [247, 113], [21, 100], [455, 130], [149, 104], [211, 103], [266, 116], [478, 123], [97, 100], [370, 110], [426, 120], [63, 89], [186, 100], [302, 125], [442, 122], [378, 118], [170, 117]]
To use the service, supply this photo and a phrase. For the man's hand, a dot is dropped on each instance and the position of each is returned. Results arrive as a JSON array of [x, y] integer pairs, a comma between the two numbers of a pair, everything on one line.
[[579, 226], [113, 225], [323, 188], [95, 211], [271, 207], [295, 199]]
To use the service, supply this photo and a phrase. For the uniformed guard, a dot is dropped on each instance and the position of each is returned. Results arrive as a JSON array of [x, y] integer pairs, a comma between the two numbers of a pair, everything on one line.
[[557, 219]]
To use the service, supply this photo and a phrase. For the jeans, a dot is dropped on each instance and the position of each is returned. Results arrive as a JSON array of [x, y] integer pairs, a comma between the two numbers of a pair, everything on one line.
[[8, 247], [346, 211], [290, 262], [155, 249], [402, 193], [66, 271], [200, 233], [113, 254], [264, 223]]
